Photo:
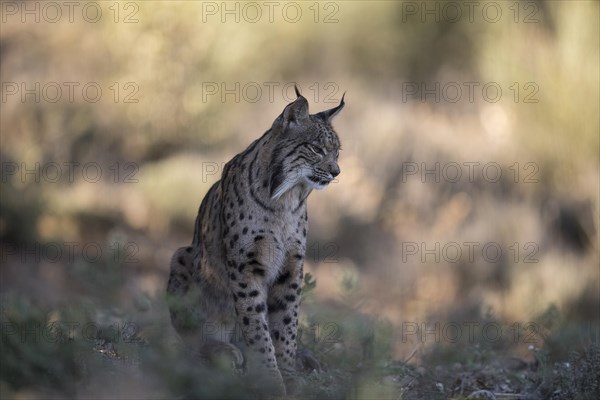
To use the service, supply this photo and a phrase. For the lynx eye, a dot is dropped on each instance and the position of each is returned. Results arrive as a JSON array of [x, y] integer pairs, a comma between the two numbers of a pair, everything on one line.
[[317, 150]]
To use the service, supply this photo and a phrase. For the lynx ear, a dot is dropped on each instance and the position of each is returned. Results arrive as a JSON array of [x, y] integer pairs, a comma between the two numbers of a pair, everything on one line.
[[327, 115], [295, 112]]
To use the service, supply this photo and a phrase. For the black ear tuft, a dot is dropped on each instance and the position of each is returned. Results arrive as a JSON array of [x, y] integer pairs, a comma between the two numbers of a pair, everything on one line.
[[327, 115], [297, 89]]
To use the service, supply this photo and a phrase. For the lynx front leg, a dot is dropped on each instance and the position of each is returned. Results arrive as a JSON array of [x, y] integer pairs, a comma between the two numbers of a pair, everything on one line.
[[283, 304], [250, 298]]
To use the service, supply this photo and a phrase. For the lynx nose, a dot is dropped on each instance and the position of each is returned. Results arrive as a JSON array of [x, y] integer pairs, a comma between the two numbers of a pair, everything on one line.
[[334, 170]]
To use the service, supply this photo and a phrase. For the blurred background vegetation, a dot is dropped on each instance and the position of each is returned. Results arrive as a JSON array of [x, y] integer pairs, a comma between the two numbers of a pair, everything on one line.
[[186, 85]]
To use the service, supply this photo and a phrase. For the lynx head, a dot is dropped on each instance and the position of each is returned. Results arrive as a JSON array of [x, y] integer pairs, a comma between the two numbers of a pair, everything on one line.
[[306, 148]]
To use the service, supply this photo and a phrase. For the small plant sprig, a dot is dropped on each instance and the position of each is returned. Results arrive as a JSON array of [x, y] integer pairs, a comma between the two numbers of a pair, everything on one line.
[[309, 286]]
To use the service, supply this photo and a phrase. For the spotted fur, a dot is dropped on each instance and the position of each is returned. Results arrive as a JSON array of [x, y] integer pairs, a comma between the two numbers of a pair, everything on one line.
[[244, 268]]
